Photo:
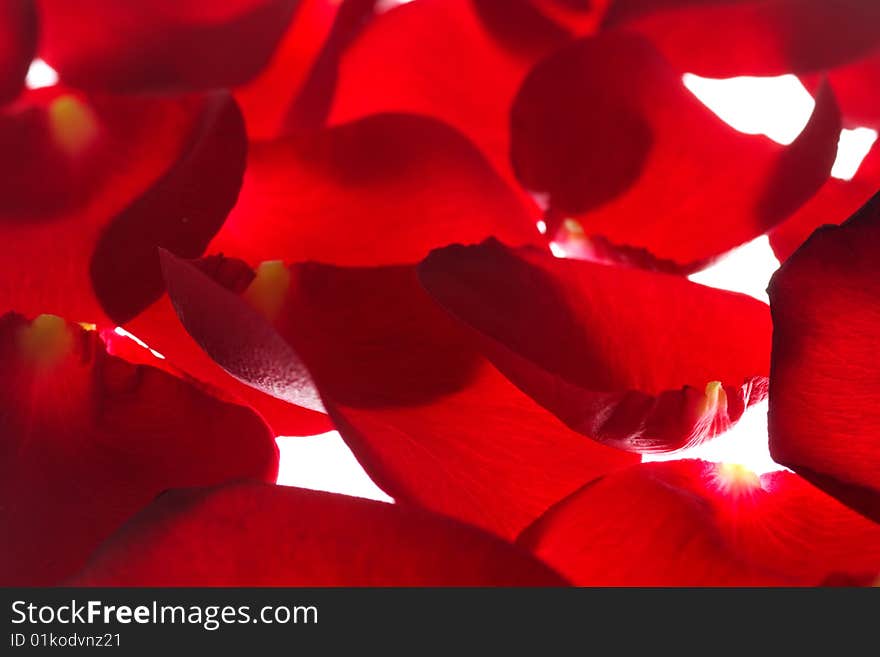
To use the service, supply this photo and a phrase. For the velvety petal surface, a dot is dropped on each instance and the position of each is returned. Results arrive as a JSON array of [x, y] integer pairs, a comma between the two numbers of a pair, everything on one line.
[[605, 130], [18, 43], [161, 45], [694, 523], [259, 535], [88, 439], [640, 360], [824, 399], [430, 419]]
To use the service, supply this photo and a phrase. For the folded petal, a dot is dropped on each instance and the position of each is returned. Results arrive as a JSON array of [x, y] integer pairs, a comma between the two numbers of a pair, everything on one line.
[[163, 45], [693, 523], [88, 439], [91, 185], [639, 360], [18, 43], [259, 535], [605, 130], [720, 38], [825, 383], [432, 422], [385, 189]]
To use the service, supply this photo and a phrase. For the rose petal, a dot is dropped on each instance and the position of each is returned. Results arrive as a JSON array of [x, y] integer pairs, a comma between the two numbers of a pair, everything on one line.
[[432, 422], [163, 45], [692, 523], [719, 38], [88, 439], [824, 399], [18, 43], [639, 360], [258, 535], [606, 129]]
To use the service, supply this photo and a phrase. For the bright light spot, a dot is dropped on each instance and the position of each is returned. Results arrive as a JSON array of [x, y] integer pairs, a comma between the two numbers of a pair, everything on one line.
[[777, 107], [542, 226], [40, 75], [384, 5], [121, 331], [745, 445], [324, 462], [852, 149], [557, 250], [747, 269]]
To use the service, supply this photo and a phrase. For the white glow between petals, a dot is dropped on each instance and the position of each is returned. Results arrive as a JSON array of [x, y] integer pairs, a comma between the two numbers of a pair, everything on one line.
[[40, 75]]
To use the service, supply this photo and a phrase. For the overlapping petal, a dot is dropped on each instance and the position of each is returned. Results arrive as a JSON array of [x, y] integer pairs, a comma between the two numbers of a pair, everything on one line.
[[162, 45], [18, 43], [258, 535], [639, 360], [88, 439], [91, 185], [824, 406], [605, 129], [720, 38], [693, 523], [431, 420]]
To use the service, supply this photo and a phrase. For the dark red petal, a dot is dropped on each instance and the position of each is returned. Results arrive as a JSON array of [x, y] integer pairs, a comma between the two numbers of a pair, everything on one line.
[[857, 88], [606, 129], [639, 360], [88, 439], [720, 38], [386, 189], [18, 43], [692, 523], [825, 383], [162, 45], [431, 421], [258, 535], [90, 186]]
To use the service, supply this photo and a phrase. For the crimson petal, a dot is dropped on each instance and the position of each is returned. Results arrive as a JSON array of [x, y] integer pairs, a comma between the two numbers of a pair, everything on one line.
[[824, 399], [163, 45], [639, 360], [692, 523], [88, 439], [606, 129], [431, 421], [258, 535], [18, 43]]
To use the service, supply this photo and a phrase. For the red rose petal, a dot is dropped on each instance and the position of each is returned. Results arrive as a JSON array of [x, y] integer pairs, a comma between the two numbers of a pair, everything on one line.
[[88, 439], [163, 45], [824, 399], [692, 523], [639, 360], [606, 129], [18, 43], [432, 422], [857, 88], [92, 185], [258, 535], [720, 38], [386, 189]]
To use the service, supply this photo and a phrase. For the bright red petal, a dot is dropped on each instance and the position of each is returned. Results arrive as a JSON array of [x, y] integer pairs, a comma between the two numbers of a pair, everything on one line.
[[635, 359], [692, 523], [720, 38], [432, 421], [18, 43], [258, 535], [386, 189], [825, 383], [87, 440], [162, 45], [90, 186], [606, 129]]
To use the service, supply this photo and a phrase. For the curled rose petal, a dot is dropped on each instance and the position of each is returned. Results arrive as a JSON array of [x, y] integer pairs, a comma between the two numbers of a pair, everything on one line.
[[92, 185], [431, 420], [18, 43], [259, 535], [88, 439], [824, 399], [639, 360], [605, 130], [720, 38], [162, 45], [693, 523]]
